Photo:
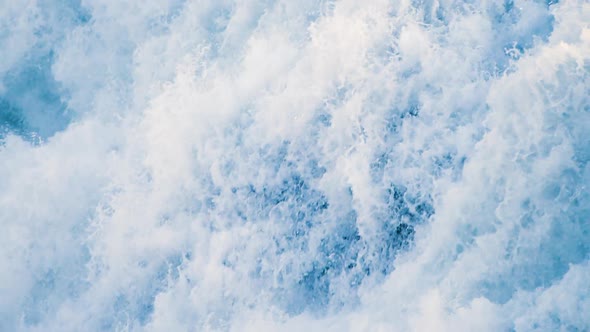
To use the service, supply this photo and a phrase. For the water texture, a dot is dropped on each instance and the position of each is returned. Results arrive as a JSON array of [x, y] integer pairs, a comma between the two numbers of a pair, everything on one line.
[[282, 165]]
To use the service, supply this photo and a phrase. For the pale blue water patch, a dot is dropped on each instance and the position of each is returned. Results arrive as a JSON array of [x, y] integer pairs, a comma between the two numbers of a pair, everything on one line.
[[32, 102]]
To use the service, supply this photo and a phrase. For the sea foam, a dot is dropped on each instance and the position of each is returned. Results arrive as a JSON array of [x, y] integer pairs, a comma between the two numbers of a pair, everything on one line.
[[277, 165]]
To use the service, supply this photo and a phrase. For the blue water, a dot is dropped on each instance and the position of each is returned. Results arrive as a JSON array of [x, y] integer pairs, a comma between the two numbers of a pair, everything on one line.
[[286, 165]]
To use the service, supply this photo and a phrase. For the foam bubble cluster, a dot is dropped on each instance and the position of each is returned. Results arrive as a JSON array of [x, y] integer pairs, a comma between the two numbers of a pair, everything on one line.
[[278, 165]]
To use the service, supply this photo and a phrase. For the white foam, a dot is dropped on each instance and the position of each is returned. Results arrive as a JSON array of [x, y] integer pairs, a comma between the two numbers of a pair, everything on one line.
[[244, 166]]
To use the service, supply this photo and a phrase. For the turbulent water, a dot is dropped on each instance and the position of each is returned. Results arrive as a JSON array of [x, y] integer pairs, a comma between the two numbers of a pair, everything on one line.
[[294, 165]]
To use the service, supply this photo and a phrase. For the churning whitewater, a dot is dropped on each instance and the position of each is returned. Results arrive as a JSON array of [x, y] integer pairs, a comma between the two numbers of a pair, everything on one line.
[[294, 165]]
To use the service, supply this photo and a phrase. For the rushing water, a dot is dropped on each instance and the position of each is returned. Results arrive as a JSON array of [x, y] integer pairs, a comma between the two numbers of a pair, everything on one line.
[[294, 165]]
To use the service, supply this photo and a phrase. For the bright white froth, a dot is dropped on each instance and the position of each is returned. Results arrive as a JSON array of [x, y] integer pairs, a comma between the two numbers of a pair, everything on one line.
[[294, 165]]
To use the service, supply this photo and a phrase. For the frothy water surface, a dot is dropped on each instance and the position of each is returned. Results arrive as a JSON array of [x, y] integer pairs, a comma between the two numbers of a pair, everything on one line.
[[278, 165]]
